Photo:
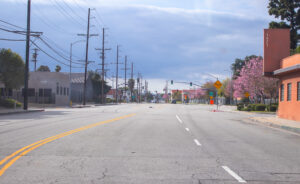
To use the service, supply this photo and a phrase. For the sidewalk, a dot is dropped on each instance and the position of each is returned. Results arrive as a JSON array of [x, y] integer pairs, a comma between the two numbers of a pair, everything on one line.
[[289, 125], [4, 111]]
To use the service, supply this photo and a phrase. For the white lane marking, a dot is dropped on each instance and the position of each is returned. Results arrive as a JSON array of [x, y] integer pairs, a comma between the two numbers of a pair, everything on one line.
[[197, 142], [187, 129], [179, 119], [233, 174]]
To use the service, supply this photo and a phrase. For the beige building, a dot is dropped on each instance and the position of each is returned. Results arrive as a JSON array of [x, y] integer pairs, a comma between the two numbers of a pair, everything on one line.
[[52, 87], [44, 88]]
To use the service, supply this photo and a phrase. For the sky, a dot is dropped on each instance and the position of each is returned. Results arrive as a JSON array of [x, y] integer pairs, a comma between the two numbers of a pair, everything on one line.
[[183, 41]]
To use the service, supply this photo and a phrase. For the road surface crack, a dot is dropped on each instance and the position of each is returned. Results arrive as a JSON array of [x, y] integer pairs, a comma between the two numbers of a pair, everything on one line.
[[103, 174]]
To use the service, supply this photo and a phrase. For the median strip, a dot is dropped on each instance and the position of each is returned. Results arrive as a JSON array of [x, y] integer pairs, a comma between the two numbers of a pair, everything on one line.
[[11, 159]]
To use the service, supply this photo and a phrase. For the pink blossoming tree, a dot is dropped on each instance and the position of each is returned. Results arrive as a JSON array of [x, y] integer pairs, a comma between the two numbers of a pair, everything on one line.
[[251, 80]]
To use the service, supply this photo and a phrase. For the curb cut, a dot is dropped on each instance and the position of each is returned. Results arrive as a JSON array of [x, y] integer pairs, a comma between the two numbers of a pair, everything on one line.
[[21, 112], [273, 125]]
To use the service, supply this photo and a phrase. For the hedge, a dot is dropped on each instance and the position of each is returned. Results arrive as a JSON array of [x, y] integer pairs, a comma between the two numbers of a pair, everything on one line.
[[240, 107], [9, 103], [272, 108], [260, 107]]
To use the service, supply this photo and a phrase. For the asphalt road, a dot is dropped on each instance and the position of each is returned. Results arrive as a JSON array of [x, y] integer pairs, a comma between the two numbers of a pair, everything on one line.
[[147, 143]]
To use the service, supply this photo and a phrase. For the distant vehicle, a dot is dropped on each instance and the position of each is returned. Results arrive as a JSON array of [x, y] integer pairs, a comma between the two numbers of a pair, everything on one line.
[[174, 102]]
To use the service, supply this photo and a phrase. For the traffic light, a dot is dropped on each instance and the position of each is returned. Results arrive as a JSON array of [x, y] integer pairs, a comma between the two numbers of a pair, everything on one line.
[[172, 82], [191, 84]]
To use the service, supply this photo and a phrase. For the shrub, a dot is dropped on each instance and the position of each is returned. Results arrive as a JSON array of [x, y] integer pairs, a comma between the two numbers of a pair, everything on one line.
[[9, 103], [260, 107], [248, 108], [108, 100], [272, 108], [251, 107], [240, 107]]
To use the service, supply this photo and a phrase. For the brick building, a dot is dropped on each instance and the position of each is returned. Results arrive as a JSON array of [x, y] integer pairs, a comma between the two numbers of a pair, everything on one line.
[[278, 63]]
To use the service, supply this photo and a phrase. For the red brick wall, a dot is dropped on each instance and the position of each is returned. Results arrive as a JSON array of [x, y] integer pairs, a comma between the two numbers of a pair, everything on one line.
[[290, 109], [276, 47]]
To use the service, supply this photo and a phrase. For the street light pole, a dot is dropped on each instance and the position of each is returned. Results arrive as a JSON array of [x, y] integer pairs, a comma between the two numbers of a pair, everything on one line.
[[70, 75]]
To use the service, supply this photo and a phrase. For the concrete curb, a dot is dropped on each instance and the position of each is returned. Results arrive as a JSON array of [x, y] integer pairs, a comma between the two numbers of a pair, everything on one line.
[[21, 112], [274, 125]]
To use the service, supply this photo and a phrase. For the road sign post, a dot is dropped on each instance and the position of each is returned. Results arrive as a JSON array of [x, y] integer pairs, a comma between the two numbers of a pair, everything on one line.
[[217, 85]]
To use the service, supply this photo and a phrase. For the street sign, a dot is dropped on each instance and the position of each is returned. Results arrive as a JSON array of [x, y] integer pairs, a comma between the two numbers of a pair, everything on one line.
[[211, 97], [247, 94], [218, 84], [211, 93]]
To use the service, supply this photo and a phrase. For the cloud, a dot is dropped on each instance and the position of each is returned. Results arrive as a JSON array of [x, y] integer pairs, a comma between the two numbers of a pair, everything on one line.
[[179, 40]]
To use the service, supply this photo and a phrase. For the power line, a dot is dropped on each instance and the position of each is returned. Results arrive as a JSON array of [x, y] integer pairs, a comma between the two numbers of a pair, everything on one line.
[[54, 49], [13, 40], [52, 56], [11, 24], [74, 12], [63, 11]]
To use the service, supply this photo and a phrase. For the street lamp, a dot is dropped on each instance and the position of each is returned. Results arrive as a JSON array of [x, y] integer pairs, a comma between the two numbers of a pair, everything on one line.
[[70, 75], [231, 86]]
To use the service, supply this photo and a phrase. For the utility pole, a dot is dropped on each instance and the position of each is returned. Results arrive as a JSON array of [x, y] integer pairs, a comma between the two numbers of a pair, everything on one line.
[[27, 56], [34, 57], [138, 88], [117, 74], [86, 56], [125, 69], [103, 49], [141, 87], [103, 62], [131, 81], [88, 35]]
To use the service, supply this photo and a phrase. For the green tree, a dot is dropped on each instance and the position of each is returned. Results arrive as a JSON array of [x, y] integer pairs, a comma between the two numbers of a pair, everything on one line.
[[43, 68], [12, 69], [177, 95], [131, 83], [209, 87], [278, 25], [222, 90], [97, 85], [149, 96], [57, 68], [289, 11]]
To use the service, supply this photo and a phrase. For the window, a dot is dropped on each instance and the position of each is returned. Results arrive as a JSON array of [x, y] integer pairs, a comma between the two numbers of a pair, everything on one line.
[[65, 91], [41, 92], [298, 91], [47, 92], [289, 91], [61, 90], [31, 92], [68, 92], [57, 88], [282, 92]]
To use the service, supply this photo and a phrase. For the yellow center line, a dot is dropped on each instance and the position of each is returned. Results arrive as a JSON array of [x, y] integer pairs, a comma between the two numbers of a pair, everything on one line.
[[23, 151]]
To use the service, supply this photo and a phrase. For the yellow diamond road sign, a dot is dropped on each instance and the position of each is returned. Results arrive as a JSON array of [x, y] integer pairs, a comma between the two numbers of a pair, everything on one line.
[[247, 94], [218, 84]]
